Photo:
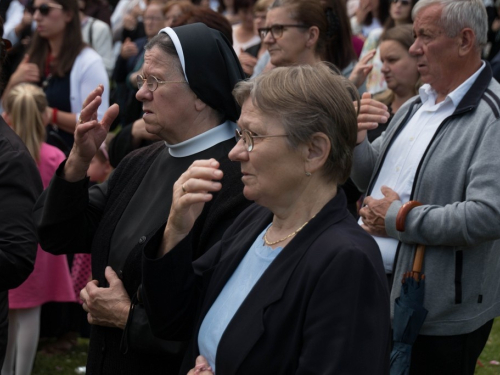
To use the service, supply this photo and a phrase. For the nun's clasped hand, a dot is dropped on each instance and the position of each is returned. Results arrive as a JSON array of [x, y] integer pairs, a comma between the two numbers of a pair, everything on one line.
[[107, 307], [191, 191]]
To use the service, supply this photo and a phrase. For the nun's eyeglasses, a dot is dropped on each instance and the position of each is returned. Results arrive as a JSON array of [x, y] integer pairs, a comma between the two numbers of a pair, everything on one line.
[[152, 82], [277, 30], [248, 137], [44, 9]]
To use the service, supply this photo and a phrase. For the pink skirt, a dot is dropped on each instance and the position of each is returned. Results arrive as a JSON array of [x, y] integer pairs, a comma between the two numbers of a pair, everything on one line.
[[50, 281]]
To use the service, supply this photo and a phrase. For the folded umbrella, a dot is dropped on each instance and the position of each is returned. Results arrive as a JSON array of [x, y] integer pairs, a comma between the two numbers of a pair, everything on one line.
[[409, 312]]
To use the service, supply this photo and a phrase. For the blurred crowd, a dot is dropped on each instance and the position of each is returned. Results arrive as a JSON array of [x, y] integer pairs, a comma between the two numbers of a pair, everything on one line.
[[67, 63]]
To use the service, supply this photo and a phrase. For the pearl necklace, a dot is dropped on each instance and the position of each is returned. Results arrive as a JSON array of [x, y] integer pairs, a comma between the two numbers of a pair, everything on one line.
[[284, 238]]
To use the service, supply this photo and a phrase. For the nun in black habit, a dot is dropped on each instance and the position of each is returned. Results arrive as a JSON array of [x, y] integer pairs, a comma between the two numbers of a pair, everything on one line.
[[186, 83]]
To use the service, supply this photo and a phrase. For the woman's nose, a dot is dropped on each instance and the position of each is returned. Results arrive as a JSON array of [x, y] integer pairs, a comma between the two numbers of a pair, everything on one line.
[[268, 39], [143, 94], [239, 152]]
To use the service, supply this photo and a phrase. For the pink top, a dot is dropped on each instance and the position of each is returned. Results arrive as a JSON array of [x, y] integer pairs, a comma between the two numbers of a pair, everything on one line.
[[50, 280]]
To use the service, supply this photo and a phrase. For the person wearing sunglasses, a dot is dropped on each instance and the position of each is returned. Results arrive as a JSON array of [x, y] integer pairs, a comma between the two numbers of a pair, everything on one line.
[[60, 62], [294, 285], [20, 186], [185, 88]]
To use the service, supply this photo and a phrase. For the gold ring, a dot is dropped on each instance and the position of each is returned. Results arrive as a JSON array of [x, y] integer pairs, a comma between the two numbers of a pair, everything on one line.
[[183, 189], [80, 121]]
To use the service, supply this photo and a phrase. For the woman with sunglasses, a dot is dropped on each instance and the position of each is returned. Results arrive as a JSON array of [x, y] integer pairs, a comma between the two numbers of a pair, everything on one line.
[[60, 62], [185, 88], [294, 286]]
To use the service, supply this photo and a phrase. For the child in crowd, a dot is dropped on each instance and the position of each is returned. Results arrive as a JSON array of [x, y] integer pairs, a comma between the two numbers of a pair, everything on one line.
[[26, 112]]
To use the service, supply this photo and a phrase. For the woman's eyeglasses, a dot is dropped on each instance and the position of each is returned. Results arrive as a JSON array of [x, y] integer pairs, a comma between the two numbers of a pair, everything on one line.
[[277, 30], [44, 9], [403, 2], [6, 46], [152, 82], [248, 137]]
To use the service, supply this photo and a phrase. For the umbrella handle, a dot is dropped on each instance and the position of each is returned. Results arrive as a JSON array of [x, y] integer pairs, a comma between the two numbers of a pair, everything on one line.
[[403, 212], [418, 262], [400, 226]]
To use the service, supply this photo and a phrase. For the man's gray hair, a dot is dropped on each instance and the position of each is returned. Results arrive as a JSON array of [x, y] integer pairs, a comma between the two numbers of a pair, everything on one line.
[[460, 14]]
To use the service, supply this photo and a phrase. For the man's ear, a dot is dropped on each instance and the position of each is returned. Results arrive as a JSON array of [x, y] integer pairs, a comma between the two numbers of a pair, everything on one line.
[[467, 42]]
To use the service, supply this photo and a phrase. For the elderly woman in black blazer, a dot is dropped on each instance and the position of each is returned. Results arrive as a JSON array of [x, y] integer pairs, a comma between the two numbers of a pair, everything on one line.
[[295, 286]]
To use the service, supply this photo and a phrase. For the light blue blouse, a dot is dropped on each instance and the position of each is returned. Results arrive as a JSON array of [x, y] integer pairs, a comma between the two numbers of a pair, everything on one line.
[[239, 285]]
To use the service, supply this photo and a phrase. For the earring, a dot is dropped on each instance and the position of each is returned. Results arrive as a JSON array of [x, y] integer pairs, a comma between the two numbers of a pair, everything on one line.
[[308, 174]]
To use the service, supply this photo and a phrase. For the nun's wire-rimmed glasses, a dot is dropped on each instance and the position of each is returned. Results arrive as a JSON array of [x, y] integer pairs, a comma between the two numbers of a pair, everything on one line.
[[248, 137], [277, 30], [152, 82]]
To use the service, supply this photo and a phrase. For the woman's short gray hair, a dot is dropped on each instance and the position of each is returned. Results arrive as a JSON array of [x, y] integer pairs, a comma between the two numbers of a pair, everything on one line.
[[458, 15], [309, 99]]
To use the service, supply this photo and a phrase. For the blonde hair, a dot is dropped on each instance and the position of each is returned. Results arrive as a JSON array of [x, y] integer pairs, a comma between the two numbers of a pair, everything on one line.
[[262, 5], [309, 99], [26, 104]]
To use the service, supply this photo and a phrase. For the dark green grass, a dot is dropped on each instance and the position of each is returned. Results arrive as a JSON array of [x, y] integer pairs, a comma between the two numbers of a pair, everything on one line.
[[66, 364], [490, 353], [61, 364]]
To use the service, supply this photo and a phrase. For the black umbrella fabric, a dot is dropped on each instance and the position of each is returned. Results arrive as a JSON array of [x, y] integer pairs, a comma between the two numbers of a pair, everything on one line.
[[409, 311], [409, 315]]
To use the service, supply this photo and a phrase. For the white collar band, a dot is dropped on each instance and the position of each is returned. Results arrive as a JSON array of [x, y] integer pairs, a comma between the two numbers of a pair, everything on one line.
[[203, 141]]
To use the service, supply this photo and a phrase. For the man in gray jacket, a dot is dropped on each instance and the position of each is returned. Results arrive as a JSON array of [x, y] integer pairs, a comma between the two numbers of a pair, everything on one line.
[[441, 149]]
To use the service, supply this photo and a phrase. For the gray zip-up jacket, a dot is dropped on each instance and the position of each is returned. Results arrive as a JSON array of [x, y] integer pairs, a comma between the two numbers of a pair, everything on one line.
[[458, 183]]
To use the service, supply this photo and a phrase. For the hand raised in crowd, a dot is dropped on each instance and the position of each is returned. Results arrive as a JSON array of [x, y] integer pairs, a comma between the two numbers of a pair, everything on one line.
[[25, 72], [247, 62], [130, 19], [362, 69], [190, 193], [201, 367], [371, 113], [128, 49], [365, 7], [107, 307], [25, 21], [89, 135], [139, 133], [374, 211]]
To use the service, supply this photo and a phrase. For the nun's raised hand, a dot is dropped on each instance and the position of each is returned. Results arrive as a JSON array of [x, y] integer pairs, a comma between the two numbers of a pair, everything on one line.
[[89, 135], [191, 191]]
